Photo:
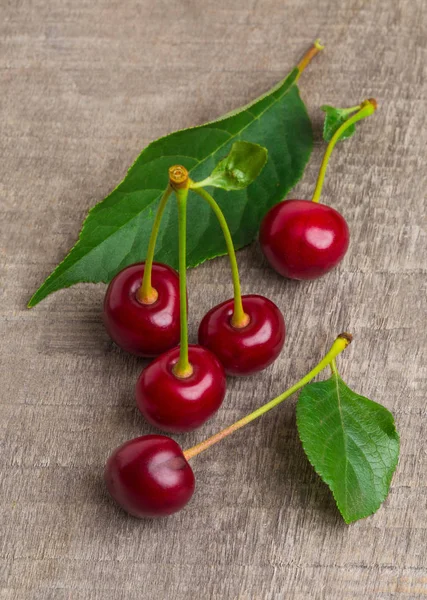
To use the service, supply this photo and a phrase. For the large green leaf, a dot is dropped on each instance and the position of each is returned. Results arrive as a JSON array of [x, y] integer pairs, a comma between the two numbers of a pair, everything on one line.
[[351, 442], [116, 231]]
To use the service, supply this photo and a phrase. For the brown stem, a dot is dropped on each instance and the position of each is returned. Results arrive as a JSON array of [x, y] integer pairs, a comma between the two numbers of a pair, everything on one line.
[[308, 56]]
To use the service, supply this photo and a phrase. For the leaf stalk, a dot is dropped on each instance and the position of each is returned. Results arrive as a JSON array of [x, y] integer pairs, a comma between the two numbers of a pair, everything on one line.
[[308, 56]]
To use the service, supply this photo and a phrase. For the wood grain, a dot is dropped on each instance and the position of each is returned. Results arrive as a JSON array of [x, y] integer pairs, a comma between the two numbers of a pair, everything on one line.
[[85, 84]]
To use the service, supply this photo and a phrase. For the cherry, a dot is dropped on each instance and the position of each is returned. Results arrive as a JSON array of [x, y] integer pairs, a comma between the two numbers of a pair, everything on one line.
[[302, 239], [244, 350], [246, 333], [185, 386], [179, 404], [149, 476], [145, 329]]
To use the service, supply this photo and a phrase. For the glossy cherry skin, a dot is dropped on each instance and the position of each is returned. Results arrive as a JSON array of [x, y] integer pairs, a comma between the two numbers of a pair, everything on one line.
[[149, 476], [143, 329], [181, 404], [302, 239], [251, 348]]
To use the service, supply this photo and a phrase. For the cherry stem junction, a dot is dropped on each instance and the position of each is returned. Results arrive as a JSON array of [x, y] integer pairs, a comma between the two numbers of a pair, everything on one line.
[[340, 344], [179, 181], [239, 318], [366, 109], [147, 294]]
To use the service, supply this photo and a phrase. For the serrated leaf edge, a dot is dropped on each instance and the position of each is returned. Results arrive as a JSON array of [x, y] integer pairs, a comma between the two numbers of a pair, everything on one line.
[[328, 483]]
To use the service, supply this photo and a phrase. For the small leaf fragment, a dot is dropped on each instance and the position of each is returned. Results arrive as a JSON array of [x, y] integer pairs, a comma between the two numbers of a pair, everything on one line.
[[351, 442], [239, 168], [334, 118]]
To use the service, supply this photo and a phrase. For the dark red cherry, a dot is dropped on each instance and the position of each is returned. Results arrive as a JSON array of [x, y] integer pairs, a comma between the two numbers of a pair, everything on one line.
[[149, 476], [248, 349], [302, 239], [181, 404], [143, 329]]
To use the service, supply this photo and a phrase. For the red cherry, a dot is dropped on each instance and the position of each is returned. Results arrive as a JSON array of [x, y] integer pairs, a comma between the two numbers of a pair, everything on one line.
[[245, 350], [302, 239], [179, 404], [149, 476], [143, 329]]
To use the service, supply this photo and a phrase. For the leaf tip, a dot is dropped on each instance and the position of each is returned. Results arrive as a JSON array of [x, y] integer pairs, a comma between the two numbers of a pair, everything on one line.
[[37, 297], [31, 302], [347, 519]]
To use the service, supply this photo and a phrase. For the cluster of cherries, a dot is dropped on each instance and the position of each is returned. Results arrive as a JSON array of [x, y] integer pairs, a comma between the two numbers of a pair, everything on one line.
[[185, 385], [145, 313]]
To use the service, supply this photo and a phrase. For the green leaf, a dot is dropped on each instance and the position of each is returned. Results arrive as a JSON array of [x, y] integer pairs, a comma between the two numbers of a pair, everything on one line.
[[334, 118], [239, 168], [351, 442], [116, 231]]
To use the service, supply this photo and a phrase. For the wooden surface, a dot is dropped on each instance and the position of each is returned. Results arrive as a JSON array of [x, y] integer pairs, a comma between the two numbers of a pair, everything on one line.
[[84, 86]]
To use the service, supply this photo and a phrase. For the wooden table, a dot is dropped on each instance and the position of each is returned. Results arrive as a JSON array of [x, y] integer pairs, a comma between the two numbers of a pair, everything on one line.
[[85, 85]]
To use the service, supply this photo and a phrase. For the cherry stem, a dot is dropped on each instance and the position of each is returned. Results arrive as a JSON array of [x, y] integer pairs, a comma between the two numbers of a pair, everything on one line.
[[146, 294], [239, 318], [366, 109], [178, 179], [308, 57], [340, 344]]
